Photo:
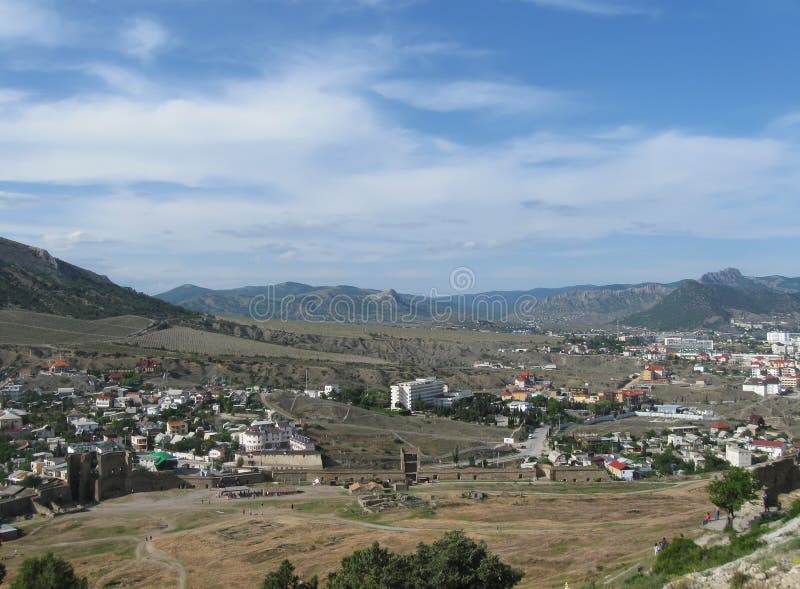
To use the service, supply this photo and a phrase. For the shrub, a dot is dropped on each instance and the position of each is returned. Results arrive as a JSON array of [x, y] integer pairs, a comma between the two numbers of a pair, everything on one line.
[[793, 511], [678, 557]]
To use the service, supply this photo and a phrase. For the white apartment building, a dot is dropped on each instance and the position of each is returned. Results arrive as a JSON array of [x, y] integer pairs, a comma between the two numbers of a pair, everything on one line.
[[738, 456], [777, 337], [421, 389]]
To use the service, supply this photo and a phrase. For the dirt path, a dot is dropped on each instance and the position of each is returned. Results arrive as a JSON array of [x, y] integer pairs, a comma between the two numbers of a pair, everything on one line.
[[145, 551]]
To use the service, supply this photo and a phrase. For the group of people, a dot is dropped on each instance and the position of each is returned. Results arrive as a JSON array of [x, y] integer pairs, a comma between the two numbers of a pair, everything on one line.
[[659, 546], [707, 519]]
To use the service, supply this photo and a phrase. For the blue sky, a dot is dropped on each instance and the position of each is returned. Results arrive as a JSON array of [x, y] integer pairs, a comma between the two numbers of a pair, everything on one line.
[[384, 143]]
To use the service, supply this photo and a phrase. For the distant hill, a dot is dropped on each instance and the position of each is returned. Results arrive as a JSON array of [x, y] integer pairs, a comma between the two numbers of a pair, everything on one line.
[[33, 280], [713, 301], [687, 304]]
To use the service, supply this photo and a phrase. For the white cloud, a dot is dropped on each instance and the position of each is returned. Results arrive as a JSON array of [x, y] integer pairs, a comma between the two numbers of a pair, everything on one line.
[[144, 37], [13, 199], [118, 78], [30, 21], [600, 7], [468, 95], [302, 164], [9, 95]]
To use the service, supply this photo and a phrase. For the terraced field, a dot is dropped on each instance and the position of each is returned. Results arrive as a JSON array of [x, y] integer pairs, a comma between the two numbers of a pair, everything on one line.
[[28, 328], [193, 341]]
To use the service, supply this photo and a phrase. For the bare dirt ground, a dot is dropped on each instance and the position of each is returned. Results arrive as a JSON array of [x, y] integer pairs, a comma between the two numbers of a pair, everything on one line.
[[555, 533]]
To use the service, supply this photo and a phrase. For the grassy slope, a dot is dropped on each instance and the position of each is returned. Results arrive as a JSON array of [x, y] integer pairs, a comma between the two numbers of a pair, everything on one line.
[[30, 328]]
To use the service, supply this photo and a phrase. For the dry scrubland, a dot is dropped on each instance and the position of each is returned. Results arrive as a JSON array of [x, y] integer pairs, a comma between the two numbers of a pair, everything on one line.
[[193, 341], [358, 437], [589, 532]]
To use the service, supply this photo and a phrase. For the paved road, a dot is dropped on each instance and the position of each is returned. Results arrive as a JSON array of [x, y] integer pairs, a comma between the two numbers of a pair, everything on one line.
[[533, 447]]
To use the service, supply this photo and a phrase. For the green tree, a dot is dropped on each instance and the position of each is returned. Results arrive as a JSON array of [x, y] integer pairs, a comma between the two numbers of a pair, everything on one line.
[[48, 572], [458, 562], [284, 578], [372, 568], [734, 489]]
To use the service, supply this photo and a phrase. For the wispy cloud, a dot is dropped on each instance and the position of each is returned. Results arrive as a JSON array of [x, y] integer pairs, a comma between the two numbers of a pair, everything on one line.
[[8, 95], [30, 21], [601, 7], [13, 199], [120, 79], [473, 95], [143, 37]]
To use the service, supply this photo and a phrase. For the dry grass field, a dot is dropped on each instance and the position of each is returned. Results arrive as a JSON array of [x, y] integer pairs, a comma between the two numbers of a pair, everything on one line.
[[357, 437], [414, 331], [193, 341], [553, 535]]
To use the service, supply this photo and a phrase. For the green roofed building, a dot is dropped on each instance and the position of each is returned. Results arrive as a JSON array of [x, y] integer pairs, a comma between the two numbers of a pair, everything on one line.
[[158, 461]]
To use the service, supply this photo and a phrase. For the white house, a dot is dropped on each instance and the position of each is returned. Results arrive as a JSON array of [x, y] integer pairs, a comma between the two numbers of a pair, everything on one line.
[[774, 448], [85, 426], [738, 456]]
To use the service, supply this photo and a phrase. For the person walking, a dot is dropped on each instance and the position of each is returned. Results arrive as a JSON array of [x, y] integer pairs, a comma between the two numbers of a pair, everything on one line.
[[716, 513]]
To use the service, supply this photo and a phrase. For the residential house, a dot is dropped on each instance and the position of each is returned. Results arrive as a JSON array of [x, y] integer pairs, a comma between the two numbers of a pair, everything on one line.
[[83, 425], [654, 373], [773, 448], [177, 428], [59, 367], [620, 470], [146, 366], [10, 420]]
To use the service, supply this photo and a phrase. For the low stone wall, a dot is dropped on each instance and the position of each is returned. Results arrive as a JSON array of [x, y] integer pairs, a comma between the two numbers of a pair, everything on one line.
[[306, 460], [579, 474]]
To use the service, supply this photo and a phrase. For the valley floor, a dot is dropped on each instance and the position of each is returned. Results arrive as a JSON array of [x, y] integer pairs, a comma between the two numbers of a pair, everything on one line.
[[554, 532]]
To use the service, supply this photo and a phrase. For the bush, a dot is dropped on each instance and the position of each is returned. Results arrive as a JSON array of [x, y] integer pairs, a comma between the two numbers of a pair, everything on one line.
[[793, 511], [680, 556]]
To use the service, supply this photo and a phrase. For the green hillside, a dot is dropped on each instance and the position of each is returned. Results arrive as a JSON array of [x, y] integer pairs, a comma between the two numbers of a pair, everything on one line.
[[31, 279], [696, 305]]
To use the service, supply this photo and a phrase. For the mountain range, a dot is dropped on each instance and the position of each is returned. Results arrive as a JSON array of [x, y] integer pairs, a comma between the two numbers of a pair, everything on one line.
[[32, 279], [709, 302]]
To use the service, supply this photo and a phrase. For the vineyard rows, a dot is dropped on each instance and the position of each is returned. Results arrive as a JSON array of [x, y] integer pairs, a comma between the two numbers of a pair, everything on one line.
[[193, 341]]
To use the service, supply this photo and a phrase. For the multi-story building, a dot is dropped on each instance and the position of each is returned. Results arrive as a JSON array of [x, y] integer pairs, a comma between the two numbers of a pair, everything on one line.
[[769, 385], [405, 394], [12, 392], [777, 337], [262, 436], [738, 456], [177, 428]]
